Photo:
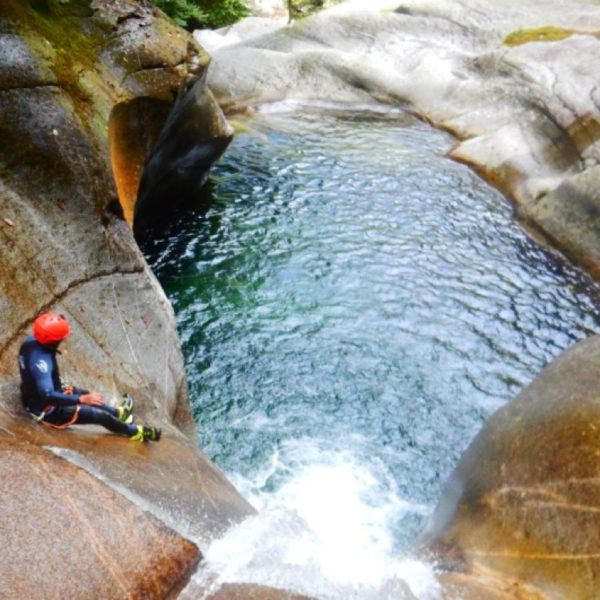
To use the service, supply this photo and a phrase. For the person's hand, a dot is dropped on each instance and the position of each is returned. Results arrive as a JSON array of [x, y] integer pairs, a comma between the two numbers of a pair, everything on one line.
[[92, 399]]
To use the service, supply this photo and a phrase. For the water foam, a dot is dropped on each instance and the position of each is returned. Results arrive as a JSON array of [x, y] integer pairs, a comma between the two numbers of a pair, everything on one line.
[[326, 530]]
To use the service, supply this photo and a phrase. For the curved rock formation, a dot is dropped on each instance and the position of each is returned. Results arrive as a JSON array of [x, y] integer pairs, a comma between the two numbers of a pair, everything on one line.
[[527, 114], [521, 512], [253, 592], [178, 165], [67, 69]]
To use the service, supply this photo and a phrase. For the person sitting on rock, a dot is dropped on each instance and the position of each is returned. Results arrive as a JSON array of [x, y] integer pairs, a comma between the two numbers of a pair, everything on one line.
[[52, 403]]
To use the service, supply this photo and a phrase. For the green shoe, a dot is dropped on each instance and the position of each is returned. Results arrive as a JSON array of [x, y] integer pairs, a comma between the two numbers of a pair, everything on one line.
[[146, 434], [124, 416], [152, 434], [139, 435], [125, 408]]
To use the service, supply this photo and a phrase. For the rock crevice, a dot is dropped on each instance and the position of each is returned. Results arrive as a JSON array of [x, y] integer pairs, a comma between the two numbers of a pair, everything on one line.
[[21, 329]]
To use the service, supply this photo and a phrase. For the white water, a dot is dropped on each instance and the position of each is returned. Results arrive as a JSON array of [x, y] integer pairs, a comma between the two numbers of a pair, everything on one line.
[[327, 531]]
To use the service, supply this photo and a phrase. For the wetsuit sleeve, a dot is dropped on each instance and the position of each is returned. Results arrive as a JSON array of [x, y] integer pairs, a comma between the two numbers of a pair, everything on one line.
[[41, 372]]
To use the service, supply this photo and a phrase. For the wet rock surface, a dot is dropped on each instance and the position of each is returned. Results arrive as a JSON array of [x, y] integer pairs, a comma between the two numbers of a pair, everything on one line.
[[240, 591], [526, 111], [522, 510], [172, 479], [115, 549], [65, 245], [178, 165]]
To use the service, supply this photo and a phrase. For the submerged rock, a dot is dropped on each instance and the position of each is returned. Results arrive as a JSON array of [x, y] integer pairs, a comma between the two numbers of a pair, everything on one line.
[[67, 70], [526, 112], [521, 513]]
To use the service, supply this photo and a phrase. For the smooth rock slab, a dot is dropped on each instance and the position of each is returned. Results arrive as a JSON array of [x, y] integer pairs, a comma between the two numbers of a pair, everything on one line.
[[74, 537], [171, 479], [570, 217], [523, 505]]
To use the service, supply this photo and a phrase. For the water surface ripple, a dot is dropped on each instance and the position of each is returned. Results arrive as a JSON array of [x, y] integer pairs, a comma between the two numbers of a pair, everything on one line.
[[346, 290]]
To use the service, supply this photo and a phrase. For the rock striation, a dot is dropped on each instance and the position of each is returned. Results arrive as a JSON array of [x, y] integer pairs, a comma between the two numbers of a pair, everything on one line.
[[520, 516], [110, 548], [85, 88]]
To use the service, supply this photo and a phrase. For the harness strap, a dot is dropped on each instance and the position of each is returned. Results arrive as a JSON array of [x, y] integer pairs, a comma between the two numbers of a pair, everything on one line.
[[38, 418], [64, 425]]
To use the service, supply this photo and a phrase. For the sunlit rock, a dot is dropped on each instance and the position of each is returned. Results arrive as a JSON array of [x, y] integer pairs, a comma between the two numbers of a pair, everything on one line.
[[521, 512]]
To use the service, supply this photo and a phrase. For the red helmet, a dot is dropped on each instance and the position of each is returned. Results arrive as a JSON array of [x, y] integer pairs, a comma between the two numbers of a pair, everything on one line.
[[50, 328]]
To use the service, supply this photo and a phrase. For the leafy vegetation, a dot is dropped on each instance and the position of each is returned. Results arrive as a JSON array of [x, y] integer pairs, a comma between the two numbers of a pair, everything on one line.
[[193, 14], [203, 13], [303, 8]]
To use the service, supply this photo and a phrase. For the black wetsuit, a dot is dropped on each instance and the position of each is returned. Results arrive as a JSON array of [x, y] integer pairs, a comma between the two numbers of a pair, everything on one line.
[[43, 395]]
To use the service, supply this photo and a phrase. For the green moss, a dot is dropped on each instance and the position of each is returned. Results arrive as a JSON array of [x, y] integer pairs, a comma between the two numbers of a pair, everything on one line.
[[540, 34], [298, 9], [68, 46], [73, 46], [74, 8]]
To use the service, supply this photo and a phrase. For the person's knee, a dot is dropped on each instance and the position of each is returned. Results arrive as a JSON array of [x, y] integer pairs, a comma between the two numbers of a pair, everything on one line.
[[92, 415]]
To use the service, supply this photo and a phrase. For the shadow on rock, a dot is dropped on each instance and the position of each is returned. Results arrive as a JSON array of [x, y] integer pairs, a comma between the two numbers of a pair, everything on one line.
[[192, 139]]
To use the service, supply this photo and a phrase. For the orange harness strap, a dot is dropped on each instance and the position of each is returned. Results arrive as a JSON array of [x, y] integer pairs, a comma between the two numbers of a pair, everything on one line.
[[65, 425]]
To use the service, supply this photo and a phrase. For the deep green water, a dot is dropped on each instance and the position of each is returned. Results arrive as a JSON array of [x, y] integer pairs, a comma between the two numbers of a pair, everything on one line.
[[349, 298]]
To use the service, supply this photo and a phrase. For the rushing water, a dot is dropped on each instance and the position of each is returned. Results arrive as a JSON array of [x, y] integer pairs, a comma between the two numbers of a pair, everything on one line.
[[353, 306]]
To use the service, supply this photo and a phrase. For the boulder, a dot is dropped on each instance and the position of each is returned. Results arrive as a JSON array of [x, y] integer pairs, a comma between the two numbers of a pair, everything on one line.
[[241, 591], [178, 165], [520, 514], [569, 216], [77, 79]]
